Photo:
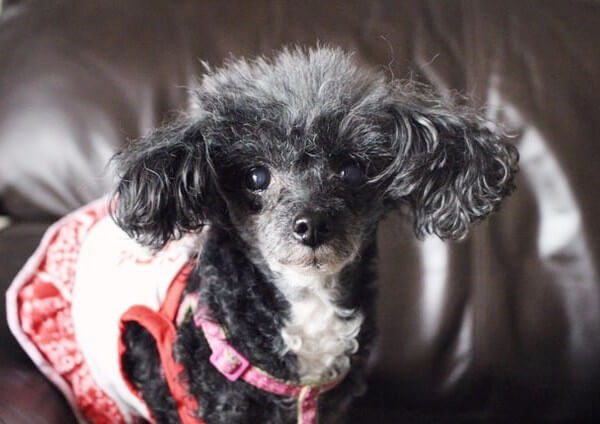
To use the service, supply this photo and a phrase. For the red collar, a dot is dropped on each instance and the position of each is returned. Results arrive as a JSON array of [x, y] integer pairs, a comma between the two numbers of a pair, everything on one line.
[[161, 325]]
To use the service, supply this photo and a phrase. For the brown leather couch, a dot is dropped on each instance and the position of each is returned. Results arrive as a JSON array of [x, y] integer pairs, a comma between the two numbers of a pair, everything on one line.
[[503, 327]]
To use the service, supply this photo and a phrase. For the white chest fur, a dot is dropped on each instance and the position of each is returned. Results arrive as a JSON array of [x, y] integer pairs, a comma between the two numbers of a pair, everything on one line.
[[321, 334]]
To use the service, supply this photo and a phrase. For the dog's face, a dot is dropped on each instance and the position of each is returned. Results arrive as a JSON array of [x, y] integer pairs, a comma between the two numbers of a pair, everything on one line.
[[303, 200], [309, 220], [302, 155]]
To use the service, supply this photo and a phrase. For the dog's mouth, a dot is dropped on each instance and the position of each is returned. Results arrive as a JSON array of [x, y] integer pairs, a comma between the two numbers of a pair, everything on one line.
[[323, 259]]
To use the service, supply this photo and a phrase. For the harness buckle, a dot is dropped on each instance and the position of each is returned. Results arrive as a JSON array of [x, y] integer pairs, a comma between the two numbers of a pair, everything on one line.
[[229, 362]]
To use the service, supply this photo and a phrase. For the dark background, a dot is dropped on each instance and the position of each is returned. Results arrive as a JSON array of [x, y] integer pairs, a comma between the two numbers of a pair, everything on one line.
[[504, 326]]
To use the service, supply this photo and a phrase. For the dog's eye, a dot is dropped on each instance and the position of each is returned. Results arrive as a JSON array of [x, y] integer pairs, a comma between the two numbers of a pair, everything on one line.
[[352, 174], [258, 178]]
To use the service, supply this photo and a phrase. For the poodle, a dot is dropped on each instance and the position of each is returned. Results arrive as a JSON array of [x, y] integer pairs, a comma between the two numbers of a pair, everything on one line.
[[273, 186]]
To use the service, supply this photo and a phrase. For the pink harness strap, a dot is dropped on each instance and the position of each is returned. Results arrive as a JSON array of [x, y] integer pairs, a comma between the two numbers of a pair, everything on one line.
[[233, 365], [225, 358]]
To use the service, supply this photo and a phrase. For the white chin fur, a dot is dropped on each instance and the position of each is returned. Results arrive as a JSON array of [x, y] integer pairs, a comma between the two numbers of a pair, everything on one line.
[[321, 334]]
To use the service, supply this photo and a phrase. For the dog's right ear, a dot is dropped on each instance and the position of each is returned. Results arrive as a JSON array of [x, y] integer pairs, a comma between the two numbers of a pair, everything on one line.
[[164, 183]]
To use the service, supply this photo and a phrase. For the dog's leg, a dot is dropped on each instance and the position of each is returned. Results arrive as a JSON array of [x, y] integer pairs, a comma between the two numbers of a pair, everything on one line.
[[141, 364]]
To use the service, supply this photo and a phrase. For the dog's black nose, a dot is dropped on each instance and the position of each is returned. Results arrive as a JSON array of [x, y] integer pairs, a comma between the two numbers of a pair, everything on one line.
[[311, 228]]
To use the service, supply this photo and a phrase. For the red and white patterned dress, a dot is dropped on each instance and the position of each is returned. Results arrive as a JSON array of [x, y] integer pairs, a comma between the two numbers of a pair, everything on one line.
[[65, 307]]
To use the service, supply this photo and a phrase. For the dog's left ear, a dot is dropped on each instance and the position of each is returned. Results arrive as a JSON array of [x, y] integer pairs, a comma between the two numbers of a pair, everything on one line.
[[165, 185], [451, 168]]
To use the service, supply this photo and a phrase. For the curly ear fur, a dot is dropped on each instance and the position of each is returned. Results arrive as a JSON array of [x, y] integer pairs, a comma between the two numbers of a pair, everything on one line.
[[164, 183], [451, 168]]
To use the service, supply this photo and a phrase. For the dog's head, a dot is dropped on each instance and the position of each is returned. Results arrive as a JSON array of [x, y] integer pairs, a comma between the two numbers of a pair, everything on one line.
[[301, 156]]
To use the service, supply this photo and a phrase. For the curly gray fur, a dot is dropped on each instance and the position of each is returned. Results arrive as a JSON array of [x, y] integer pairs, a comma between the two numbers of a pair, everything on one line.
[[303, 117]]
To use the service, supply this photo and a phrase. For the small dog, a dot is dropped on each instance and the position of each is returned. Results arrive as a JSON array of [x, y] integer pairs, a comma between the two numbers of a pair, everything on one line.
[[293, 162], [281, 175]]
